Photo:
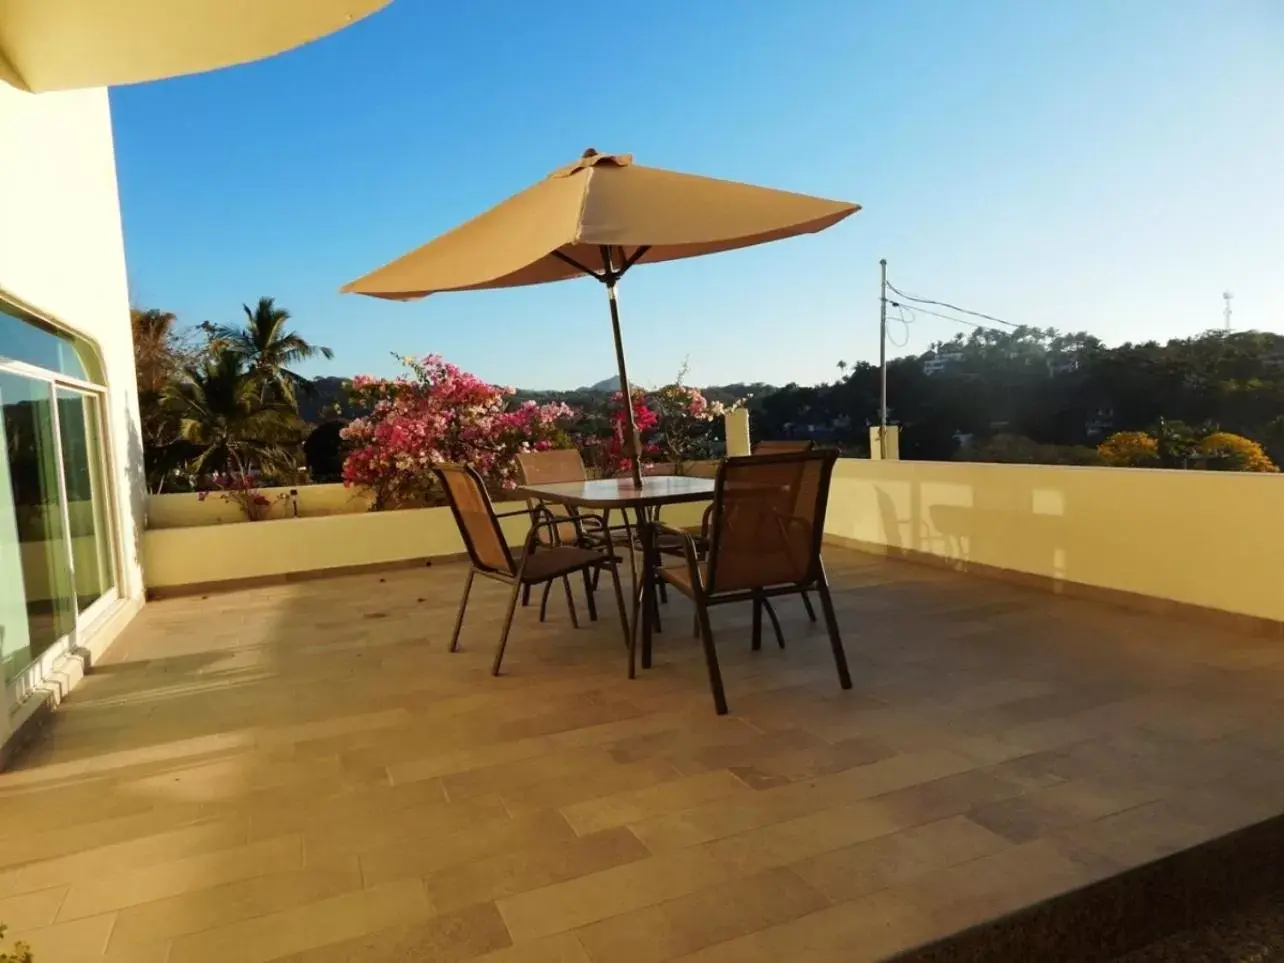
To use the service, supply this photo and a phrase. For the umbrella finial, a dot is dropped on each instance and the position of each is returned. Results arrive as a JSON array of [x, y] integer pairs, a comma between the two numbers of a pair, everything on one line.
[[591, 152]]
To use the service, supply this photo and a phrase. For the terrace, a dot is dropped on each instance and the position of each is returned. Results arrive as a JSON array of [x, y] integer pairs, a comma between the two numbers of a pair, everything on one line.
[[300, 771], [1066, 759]]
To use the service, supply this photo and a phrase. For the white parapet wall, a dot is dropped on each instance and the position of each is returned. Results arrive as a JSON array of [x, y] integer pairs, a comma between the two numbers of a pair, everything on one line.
[[737, 428], [186, 509], [206, 553], [1209, 539]]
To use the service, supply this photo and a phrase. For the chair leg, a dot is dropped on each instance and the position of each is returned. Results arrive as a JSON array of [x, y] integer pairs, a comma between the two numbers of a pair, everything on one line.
[[757, 623], [570, 601], [508, 624], [775, 622], [711, 658], [650, 611], [664, 593], [526, 595], [543, 601], [811, 613], [624, 618], [463, 606], [589, 585], [835, 640]]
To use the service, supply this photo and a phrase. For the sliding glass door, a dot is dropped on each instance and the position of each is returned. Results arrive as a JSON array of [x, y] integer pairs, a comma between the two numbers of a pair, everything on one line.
[[87, 500], [57, 551], [35, 567]]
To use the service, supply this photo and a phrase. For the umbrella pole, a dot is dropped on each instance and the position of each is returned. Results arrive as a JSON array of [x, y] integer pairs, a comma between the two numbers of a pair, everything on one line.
[[632, 440]]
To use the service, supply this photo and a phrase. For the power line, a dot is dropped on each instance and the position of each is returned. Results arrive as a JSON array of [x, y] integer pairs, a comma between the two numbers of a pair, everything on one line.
[[952, 307], [905, 323], [935, 314]]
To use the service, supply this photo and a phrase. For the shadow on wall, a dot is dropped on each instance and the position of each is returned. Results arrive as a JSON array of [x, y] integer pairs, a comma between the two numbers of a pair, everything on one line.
[[136, 475], [1205, 538], [1023, 525]]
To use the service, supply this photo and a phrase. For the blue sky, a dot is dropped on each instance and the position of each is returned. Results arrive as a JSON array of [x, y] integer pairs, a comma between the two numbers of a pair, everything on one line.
[[1109, 165]]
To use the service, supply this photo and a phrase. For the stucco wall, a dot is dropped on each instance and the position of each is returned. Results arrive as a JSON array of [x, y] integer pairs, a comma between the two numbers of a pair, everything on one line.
[[1213, 539], [62, 254], [62, 257]]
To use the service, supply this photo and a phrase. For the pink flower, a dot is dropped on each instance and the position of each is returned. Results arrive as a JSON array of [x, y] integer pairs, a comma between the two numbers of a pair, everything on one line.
[[439, 413]]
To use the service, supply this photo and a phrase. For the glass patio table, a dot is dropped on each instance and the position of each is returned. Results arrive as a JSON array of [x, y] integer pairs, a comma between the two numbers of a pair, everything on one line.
[[624, 495]]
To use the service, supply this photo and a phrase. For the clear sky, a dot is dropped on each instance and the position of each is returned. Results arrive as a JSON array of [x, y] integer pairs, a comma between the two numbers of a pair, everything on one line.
[[1109, 165]]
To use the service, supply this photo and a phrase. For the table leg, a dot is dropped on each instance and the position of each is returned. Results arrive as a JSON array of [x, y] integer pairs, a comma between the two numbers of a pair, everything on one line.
[[648, 589]]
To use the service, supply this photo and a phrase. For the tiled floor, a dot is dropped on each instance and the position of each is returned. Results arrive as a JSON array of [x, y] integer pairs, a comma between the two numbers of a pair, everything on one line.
[[304, 773]]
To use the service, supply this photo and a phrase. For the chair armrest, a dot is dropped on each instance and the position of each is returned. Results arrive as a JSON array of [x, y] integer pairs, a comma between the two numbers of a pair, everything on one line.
[[514, 514], [692, 556], [593, 521], [551, 522], [688, 540]]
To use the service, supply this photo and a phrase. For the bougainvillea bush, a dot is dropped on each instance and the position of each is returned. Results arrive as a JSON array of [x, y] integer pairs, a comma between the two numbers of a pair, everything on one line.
[[685, 422], [436, 412], [604, 445]]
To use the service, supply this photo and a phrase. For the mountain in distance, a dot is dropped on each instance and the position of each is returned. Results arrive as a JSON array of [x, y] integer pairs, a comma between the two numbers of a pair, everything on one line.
[[320, 404], [328, 401], [607, 385]]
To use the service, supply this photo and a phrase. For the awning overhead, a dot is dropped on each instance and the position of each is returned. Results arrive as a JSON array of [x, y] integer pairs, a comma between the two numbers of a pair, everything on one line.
[[65, 44]]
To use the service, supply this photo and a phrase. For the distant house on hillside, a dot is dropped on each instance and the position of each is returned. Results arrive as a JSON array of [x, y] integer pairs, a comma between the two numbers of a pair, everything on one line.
[[935, 362]]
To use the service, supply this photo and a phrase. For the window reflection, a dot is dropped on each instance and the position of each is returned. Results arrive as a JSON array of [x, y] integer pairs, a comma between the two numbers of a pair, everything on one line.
[[26, 341], [86, 496], [35, 575]]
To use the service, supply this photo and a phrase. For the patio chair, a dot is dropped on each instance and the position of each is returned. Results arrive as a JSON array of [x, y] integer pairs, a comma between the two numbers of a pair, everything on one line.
[[565, 465], [765, 534], [779, 447], [538, 564], [550, 468]]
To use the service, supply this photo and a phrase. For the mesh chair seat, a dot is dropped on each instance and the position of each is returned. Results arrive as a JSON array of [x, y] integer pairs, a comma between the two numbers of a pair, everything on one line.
[[679, 576], [549, 563]]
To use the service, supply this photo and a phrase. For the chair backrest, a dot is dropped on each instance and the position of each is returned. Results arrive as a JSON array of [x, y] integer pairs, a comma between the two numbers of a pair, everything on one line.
[[768, 520], [549, 468], [552, 466], [475, 516], [782, 446]]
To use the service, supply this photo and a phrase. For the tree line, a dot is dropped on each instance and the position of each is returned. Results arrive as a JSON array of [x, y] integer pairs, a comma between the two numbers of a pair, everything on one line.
[[217, 395], [1039, 395]]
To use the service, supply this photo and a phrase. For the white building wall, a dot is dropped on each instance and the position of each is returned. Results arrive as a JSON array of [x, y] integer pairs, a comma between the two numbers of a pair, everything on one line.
[[62, 256]]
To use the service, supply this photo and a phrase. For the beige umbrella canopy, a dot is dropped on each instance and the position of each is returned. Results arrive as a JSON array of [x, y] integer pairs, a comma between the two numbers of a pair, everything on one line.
[[599, 217], [64, 44]]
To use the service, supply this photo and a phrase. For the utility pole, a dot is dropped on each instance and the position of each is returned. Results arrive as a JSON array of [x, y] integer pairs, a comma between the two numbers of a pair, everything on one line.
[[882, 359], [1226, 312]]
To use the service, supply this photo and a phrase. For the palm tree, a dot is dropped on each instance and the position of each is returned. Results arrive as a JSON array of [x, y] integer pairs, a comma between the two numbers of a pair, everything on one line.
[[221, 411], [155, 347], [269, 350], [161, 352]]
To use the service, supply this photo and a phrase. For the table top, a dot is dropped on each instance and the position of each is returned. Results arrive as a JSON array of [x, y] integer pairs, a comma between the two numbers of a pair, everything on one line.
[[622, 492]]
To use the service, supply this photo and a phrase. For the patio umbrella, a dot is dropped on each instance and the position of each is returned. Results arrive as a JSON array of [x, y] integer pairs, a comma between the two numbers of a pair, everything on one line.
[[65, 44], [600, 217]]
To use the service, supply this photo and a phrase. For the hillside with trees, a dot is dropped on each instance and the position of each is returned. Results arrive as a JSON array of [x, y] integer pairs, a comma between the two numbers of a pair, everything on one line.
[[213, 396], [1036, 394]]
